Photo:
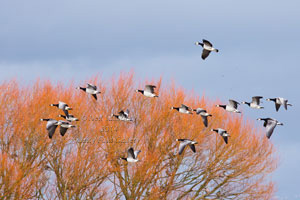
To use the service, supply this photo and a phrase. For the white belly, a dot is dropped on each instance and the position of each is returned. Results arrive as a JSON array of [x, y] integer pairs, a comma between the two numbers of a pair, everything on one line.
[[90, 91], [131, 160], [148, 94], [209, 48]]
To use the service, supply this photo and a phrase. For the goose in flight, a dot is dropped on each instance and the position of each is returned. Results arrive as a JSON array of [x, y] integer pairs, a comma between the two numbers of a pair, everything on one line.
[[270, 125], [184, 142], [131, 155], [203, 113], [51, 126], [90, 89], [255, 102], [63, 106], [207, 48], [123, 115], [231, 107], [71, 118], [222, 133], [148, 91], [183, 109], [280, 101]]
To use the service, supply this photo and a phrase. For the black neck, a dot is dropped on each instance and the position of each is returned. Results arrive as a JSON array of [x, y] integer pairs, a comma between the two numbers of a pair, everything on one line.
[[84, 89], [222, 106]]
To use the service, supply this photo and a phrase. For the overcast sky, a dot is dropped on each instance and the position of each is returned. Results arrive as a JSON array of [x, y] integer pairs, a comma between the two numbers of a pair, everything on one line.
[[258, 42]]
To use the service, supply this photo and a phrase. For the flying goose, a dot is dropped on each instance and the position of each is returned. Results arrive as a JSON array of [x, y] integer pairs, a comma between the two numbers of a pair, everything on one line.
[[184, 142], [223, 133], [255, 102], [63, 106], [148, 91], [51, 126], [270, 125], [203, 113], [90, 89], [132, 155], [231, 107], [64, 127], [123, 115], [207, 48], [71, 118], [280, 101], [183, 109]]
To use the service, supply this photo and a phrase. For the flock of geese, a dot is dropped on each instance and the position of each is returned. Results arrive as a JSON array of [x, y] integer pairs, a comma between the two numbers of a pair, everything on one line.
[[232, 106]]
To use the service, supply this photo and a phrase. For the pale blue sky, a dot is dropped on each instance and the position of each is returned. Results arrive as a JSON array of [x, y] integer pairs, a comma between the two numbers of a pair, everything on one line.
[[258, 42]]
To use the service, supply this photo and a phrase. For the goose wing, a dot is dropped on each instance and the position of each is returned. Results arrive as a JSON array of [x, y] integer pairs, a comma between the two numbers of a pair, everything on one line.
[[126, 112], [50, 123], [284, 102], [233, 103], [91, 86], [95, 96], [136, 153], [150, 88], [122, 113], [185, 107], [63, 131], [192, 146], [66, 113], [225, 139], [51, 127], [206, 42], [131, 153], [182, 145], [256, 99], [199, 110], [277, 106], [271, 124], [205, 121], [205, 54]]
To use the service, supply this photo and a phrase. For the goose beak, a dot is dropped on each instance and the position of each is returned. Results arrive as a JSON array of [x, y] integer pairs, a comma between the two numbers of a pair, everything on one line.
[[217, 105], [268, 99], [258, 119], [77, 88]]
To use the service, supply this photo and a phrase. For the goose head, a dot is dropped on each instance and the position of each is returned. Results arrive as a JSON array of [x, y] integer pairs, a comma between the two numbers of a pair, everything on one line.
[[199, 44]]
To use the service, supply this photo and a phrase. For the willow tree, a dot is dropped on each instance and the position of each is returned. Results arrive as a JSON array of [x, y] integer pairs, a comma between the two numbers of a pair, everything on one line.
[[86, 164]]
